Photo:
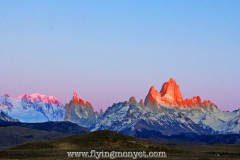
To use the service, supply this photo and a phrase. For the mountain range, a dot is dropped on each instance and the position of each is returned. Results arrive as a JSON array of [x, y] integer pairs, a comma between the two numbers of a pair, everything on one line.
[[32, 108], [166, 113], [162, 113]]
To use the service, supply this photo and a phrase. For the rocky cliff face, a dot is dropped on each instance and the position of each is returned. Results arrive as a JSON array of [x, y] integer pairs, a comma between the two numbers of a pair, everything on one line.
[[80, 112], [170, 95]]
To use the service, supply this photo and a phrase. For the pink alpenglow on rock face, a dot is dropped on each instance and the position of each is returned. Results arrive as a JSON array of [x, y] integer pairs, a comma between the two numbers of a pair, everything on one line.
[[36, 97], [33, 108], [170, 95]]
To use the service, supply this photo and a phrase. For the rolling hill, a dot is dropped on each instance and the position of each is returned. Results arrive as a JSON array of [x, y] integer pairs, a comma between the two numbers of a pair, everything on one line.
[[113, 141]]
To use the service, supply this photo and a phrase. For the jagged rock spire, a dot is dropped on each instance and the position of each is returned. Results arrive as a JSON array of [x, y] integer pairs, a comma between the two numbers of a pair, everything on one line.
[[170, 95]]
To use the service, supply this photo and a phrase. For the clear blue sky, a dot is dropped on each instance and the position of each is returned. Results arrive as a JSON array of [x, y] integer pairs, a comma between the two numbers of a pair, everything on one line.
[[110, 50]]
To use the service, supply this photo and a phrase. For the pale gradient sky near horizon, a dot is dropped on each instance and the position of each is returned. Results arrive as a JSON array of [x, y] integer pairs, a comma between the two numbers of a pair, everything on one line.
[[110, 50]]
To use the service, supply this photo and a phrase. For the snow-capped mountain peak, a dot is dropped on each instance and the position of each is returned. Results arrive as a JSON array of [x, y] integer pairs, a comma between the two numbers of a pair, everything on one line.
[[32, 108], [36, 97]]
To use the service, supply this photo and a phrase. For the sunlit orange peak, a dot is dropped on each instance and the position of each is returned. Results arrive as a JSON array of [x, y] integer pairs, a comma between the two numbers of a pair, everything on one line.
[[170, 95]]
